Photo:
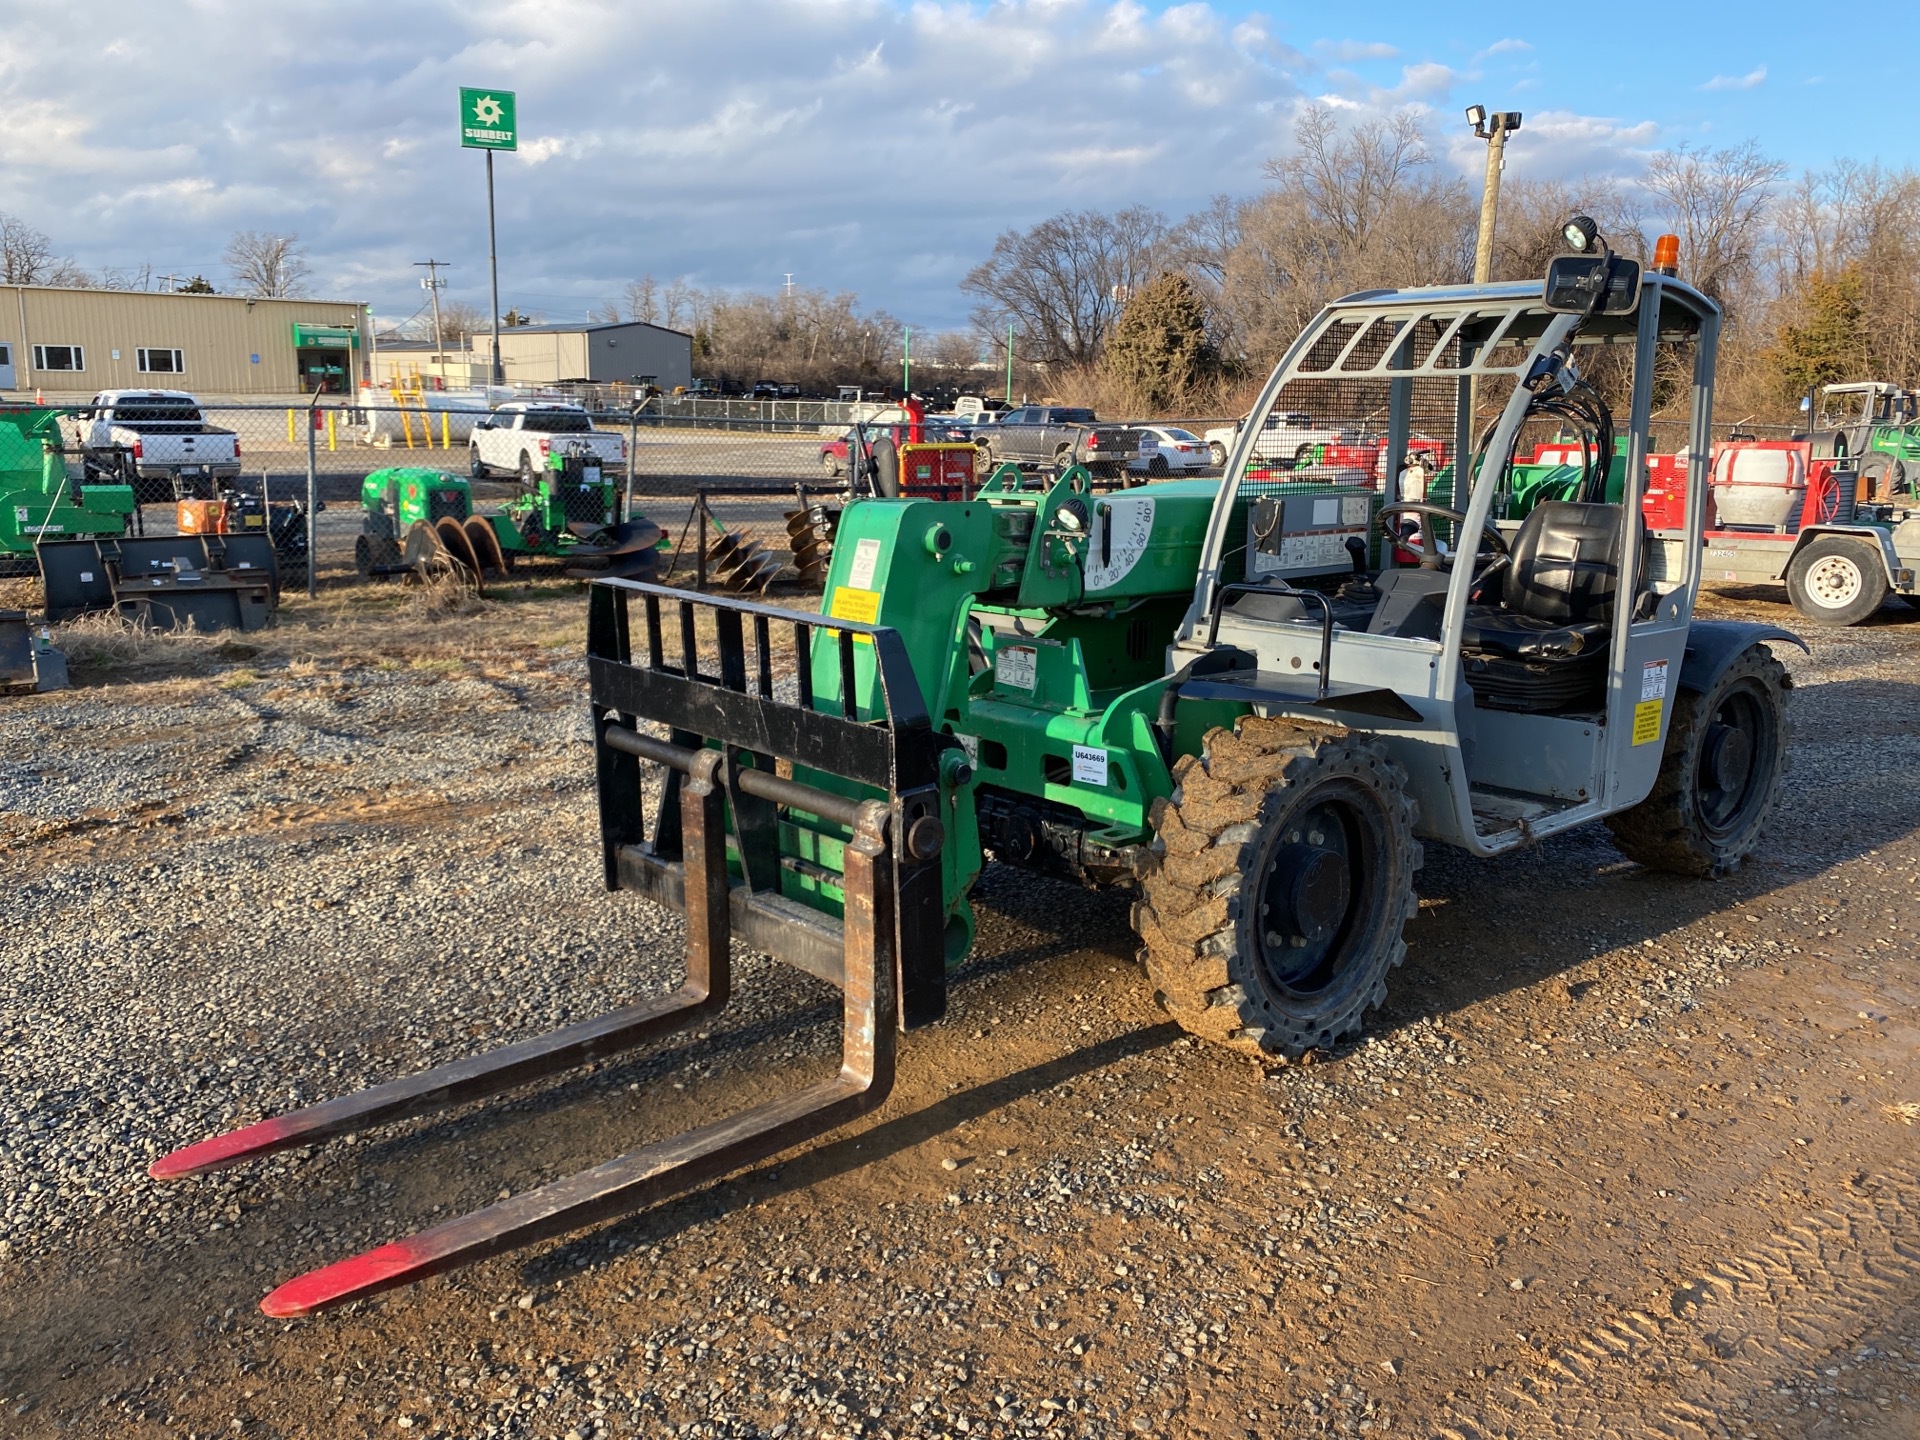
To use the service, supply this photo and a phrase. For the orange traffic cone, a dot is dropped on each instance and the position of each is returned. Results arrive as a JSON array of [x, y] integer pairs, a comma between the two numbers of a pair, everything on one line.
[[38, 398]]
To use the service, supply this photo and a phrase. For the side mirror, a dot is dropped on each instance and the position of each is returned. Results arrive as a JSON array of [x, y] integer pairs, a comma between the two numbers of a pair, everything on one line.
[[1592, 285]]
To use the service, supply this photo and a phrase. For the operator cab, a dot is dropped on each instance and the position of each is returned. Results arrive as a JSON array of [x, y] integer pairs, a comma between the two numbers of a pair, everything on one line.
[[1507, 615]]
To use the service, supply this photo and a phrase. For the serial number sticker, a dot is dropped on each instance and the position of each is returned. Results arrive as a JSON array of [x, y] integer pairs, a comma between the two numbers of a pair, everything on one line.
[[1653, 680], [1014, 666], [866, 558], [853, 604], [1646, 721], [1089, 765]]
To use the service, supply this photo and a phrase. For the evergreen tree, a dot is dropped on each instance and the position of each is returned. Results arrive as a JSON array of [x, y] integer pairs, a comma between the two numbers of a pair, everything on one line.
[[1159, 353], [1827, 343]]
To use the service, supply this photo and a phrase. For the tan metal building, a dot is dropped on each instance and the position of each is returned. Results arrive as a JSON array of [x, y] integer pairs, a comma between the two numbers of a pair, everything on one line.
[[595, 354], [71, 343]]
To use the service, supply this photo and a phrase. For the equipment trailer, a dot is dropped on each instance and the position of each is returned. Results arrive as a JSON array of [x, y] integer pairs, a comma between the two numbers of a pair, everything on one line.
[[1224, 697]]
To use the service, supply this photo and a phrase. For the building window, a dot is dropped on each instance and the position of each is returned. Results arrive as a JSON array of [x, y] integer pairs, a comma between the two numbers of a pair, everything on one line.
[[59, 357], [161, 362]]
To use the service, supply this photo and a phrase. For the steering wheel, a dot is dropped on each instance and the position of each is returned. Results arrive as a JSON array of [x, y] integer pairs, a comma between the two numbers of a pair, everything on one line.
[[1430, 556]]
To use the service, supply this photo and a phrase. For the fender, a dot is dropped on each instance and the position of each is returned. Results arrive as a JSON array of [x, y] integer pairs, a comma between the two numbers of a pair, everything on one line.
[[1713, 645], [1880, 539]]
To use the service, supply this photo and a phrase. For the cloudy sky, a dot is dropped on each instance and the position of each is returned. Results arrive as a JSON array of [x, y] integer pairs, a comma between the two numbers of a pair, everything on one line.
[[873, 145]]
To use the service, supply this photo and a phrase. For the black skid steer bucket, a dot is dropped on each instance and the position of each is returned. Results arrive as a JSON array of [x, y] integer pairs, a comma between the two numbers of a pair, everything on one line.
[[714, 854]]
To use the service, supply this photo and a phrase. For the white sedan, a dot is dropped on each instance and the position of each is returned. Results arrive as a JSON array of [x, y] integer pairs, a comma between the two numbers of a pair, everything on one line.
[[1167, 449]]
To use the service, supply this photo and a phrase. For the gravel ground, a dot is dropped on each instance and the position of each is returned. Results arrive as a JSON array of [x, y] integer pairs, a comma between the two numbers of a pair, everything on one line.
[[1623, 1154]]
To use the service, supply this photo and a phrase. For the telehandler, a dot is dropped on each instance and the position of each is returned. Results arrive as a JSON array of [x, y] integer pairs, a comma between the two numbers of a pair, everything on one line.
[[1223, 696]]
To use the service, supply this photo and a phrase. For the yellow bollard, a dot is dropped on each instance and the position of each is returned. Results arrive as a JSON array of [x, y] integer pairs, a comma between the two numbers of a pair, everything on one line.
[[291, 437], [330, 419], [445, 432]]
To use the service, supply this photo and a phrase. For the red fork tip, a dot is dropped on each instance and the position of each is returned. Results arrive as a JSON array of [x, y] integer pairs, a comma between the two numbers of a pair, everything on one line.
[[345, 1280], [220, 1150]]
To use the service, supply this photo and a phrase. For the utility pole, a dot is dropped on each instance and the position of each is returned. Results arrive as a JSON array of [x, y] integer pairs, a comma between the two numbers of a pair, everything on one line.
[[789, 275], [432, 284], [1493, 129]]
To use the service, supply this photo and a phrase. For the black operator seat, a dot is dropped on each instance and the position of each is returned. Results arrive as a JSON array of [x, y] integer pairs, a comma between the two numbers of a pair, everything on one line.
[[1544, 645]]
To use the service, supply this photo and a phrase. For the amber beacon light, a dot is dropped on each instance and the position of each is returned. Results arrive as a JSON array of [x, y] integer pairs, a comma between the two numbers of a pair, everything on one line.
[[1666, 255]]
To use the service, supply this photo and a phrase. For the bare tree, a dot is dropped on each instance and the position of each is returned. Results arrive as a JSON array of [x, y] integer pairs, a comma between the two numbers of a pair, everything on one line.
[[1533, 213], [265, 264], [1064, 281], [27, 258], [1717, 202], [1351, 209], [607, 312], [643, 300]]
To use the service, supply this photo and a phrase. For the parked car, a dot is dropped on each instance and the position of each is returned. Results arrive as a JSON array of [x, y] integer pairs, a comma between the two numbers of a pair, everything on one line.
[[155, 440], [518, 438], [1036, 435], [1288, 438], [1167, 449]]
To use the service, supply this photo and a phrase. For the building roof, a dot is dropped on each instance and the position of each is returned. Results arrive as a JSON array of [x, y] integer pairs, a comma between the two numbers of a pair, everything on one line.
[[585, 327]]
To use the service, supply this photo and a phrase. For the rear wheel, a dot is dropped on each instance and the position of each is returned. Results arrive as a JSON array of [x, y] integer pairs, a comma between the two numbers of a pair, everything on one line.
[[1719, 775], [1217, 452], [983, 461], [1284, 878], [1836, 581], [526, 469], [1157, 465], [830, 463]]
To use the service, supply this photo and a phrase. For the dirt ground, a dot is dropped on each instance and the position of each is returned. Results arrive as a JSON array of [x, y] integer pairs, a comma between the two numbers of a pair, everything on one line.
[[1623, 1155]]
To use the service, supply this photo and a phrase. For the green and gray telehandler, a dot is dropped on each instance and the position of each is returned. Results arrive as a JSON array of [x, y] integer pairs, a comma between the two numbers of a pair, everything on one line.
[[1248, 702]]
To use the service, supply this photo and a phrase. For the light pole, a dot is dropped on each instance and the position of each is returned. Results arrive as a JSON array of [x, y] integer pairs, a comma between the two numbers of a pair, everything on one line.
[[1493, 129]]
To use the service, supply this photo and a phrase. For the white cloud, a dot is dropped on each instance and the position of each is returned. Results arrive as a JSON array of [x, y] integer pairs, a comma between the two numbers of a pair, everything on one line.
[[1503, 47], [1754, 77], [871, 145]]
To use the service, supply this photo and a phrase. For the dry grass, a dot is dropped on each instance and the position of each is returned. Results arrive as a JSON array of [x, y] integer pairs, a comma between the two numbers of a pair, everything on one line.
[[436, 629]]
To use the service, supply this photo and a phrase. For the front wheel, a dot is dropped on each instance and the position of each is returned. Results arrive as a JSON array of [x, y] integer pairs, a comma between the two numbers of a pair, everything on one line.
[[1217, 452], [1719, 775], [1836, 581], [1284, 877], [474, 467], [526, 469]]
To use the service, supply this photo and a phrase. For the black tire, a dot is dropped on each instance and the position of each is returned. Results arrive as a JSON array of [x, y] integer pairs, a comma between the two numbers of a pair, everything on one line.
[[1304, 819], [1875, 476], [1719, 775], [1835, 580], [1899, 480], [526, 471], [1063, 457], [363, 556], [830, 463], [886, 469], [1218, 452], [1158, 467], [983, 461], [474, 468]]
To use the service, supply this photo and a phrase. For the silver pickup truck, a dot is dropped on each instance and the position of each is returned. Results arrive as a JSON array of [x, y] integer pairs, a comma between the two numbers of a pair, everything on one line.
[[1060, 435], [155, 440]]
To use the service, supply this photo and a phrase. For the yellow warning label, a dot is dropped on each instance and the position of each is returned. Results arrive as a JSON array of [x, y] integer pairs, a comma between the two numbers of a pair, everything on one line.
[[1646, 721], [852, 604]]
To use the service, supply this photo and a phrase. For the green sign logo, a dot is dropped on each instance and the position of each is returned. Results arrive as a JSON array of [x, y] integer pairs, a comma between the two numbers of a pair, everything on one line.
[[487, 120]]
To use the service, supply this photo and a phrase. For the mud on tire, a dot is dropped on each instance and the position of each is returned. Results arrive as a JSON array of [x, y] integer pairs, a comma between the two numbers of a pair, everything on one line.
[[1283, 878], [1719, 774]]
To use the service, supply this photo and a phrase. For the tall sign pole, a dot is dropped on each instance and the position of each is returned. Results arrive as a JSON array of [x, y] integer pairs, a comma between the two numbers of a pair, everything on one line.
[[489, 121]]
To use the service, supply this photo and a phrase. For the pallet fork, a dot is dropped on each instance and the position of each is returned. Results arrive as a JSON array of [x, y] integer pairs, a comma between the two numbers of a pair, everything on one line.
[[720, 764]]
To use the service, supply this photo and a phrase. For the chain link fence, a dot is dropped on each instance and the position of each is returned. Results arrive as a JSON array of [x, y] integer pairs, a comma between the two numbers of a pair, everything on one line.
[[693, 466]]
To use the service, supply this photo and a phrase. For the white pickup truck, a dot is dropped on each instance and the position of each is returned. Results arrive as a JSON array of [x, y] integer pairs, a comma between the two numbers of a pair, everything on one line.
[[155, 440], [1290, 438], [519, 436]]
